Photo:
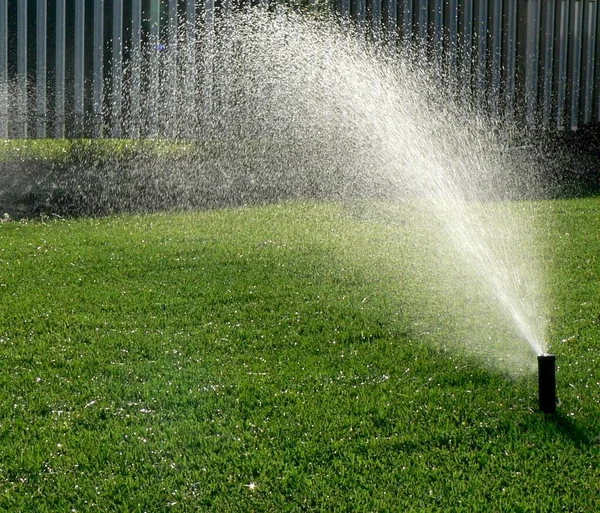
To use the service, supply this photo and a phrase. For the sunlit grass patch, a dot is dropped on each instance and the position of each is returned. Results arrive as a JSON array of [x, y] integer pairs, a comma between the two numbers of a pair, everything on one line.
[[276, 359]]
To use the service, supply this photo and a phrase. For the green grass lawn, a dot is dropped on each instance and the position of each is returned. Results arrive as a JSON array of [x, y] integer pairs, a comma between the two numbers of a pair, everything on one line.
[[275, 359]]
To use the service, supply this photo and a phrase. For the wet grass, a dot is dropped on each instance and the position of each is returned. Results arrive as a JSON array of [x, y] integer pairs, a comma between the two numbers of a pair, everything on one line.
[[268, 359]]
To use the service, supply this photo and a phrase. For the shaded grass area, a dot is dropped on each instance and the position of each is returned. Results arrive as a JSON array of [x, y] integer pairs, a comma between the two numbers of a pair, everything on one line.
[[267, 359]]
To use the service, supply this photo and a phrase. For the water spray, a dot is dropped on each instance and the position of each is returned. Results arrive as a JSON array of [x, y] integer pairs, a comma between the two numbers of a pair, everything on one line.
[[547, 382]]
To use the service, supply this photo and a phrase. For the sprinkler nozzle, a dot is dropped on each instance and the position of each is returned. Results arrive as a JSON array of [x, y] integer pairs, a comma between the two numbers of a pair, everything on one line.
[[547, 382]]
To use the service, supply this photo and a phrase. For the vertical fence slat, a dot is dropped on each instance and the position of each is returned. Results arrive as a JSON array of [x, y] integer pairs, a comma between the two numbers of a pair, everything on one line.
[[453, 41], [59, 95], [345, 8], [79, 67], [22, 68], [496, 54], [511, 51], [468, 35], [117, 67], [98, 102], [482, 51], [190, 19], [407, 20], [376, 18], [41, 69], [3, 69], [136, 68], [361, 13], [467, 61], [172, 28], [191, 75], [392, 18], [563, 46], [438, 33], [576, 68], [548, 60], [532, 59], [209, 34], [171, 68], [153, 74], [597, 72], [592, 28], [423, 22]]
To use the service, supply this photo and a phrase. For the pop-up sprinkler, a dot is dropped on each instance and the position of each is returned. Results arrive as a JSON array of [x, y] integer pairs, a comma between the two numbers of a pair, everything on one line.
[[547, 382]]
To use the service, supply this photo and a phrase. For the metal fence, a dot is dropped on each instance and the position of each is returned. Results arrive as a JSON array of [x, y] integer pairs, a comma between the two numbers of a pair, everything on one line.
[[62, 63]]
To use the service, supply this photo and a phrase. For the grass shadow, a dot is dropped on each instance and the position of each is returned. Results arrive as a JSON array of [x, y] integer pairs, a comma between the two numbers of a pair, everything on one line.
[[569, 429]]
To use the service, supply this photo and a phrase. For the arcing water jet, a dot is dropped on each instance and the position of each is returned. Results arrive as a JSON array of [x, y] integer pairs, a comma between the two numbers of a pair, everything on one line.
[[302, 108]]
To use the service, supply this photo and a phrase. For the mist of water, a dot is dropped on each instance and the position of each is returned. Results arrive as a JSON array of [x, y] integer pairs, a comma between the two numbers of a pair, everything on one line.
[[384, 124], [291, 106]]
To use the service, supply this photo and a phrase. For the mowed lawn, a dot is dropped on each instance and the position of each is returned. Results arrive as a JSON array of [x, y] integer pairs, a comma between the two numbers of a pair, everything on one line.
[[272, 359]]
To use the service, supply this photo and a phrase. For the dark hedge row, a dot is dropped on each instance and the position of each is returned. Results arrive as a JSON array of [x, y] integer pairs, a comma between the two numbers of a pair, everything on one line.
[[77, 178]]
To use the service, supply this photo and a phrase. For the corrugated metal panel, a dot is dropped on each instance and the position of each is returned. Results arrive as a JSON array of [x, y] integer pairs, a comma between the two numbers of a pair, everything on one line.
[[479, 47]]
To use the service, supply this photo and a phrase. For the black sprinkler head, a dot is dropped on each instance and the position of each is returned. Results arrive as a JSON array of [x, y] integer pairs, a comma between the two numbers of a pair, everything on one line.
[[547, 382]]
